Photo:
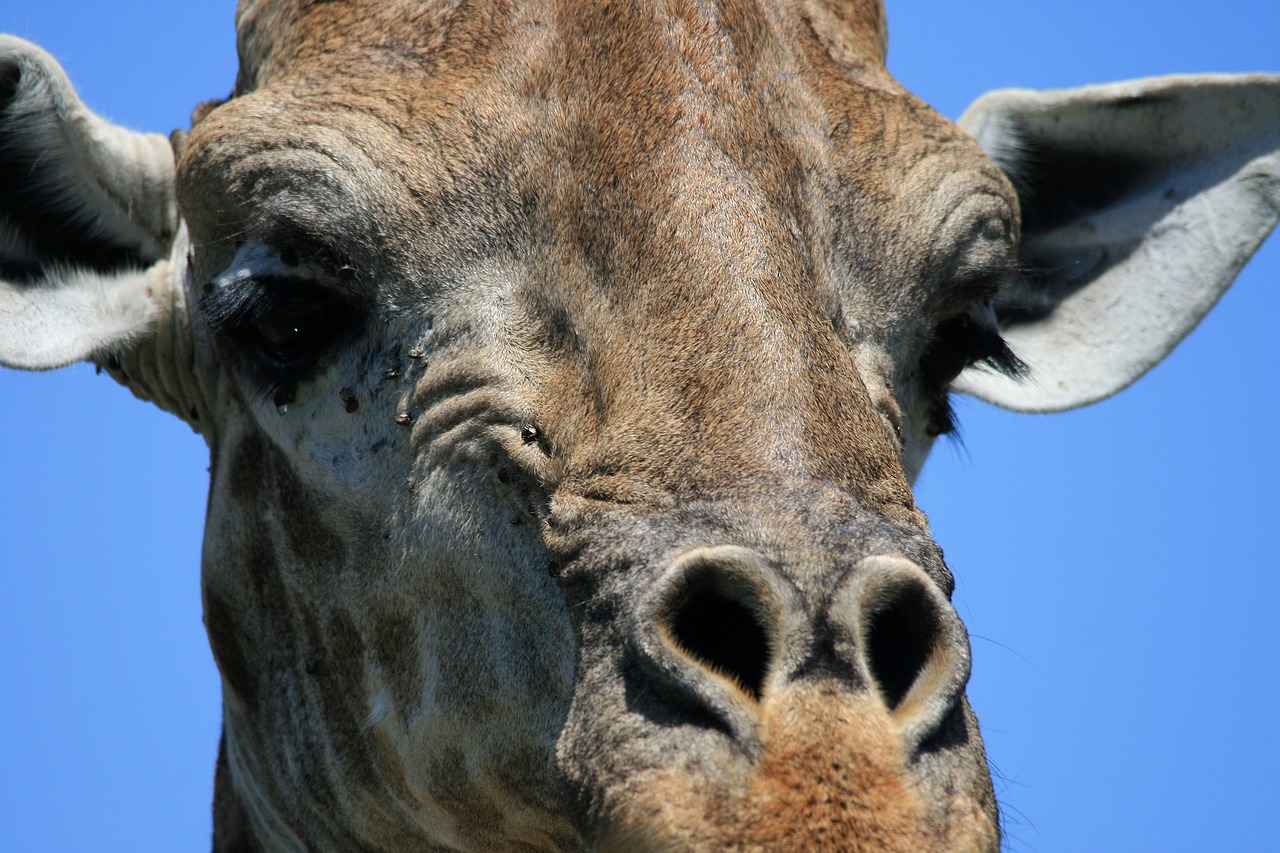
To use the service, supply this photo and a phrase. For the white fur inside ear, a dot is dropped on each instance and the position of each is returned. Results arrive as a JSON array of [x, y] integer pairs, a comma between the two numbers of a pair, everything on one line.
[[1123, 281], [114, 183], [73, 314]]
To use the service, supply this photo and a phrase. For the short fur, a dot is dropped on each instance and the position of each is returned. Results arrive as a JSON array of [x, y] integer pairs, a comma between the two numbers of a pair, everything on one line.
[[524, 338]]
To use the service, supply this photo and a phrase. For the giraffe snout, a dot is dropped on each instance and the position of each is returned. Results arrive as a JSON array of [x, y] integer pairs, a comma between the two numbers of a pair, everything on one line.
[[723, 632]]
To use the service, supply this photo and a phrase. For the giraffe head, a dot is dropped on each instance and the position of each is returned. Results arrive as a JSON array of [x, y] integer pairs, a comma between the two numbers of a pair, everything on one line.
[[565, 371]]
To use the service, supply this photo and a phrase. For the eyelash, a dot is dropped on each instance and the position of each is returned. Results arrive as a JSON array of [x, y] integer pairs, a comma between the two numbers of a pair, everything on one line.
[[959, 343], [284, 325]]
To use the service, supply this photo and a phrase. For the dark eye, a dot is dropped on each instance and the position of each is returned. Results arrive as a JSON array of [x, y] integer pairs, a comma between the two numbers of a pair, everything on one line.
[[279, 328], [294, 328]]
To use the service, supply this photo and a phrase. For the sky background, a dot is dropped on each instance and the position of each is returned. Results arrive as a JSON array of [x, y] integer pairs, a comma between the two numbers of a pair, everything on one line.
[[1116, 566]]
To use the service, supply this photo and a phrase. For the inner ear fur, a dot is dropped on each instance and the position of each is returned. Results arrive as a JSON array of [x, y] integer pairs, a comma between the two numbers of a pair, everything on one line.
[[75, 190], [1141, 202], [88, 222]]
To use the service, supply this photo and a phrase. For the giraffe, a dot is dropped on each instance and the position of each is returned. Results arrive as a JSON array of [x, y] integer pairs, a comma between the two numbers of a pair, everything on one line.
[[280, 402]]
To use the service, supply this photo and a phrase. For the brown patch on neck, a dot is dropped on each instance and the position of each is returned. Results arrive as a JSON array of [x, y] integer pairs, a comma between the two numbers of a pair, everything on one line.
[[832, 777]]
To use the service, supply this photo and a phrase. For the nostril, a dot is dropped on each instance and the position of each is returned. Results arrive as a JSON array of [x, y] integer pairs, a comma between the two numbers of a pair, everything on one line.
[[718, 624], [903, 629], [894, 624]]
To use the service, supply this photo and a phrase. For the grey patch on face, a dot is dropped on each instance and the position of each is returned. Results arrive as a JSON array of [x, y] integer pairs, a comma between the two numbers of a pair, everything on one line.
[[261, 475], [393, 364]]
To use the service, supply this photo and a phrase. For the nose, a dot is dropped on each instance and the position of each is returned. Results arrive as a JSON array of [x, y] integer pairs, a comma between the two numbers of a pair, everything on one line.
[[723, 629]]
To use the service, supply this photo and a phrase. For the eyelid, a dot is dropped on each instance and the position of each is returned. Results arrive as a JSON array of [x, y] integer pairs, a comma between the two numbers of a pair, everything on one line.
[[259, 278]]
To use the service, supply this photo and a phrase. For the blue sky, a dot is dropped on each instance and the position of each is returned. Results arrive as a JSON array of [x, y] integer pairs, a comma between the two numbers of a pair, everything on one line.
[[1116, 565]]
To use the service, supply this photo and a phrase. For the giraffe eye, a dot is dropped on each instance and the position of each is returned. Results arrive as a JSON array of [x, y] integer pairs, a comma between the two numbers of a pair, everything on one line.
[[294, 328], [281, 328]]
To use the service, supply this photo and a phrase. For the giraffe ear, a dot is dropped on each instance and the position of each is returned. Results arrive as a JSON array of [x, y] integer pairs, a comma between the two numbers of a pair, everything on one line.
[[1141, 202], [87, 219]]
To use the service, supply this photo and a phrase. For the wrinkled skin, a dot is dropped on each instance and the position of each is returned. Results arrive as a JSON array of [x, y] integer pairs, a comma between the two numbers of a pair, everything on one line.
[[619, 303], [564, 372]]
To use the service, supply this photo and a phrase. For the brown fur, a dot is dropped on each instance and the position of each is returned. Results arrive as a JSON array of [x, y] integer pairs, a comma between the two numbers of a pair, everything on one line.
[[831, 778], [685, 244]]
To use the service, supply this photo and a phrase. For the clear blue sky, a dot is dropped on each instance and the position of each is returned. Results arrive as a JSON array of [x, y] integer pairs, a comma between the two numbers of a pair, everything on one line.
[[1116, 566]]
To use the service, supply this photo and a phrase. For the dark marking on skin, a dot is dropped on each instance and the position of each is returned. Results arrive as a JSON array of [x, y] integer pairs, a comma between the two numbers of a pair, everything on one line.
[[314, 773], [229, 643], [1138, 101], [377, 445], [232, 832], [503, 476], [343, 700], [456, 792], [246, 461], [395, 648], [349, 401], [262, 476], [314, 544]]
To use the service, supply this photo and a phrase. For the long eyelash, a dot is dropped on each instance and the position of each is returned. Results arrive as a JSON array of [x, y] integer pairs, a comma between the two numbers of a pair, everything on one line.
[[985, 348], [991, 350], [942, 416], [239, 303]]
